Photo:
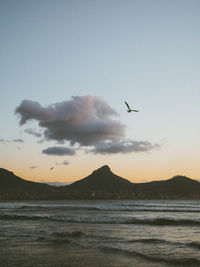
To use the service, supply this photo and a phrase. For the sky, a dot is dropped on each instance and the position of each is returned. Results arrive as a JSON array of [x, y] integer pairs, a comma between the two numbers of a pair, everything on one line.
[[68, 66]]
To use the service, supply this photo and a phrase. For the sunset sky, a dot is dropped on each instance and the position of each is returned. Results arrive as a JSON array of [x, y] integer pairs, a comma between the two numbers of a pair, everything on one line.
[[67, 66]]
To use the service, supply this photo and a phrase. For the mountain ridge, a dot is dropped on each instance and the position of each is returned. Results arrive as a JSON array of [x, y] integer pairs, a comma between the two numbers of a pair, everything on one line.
[[101, 183]]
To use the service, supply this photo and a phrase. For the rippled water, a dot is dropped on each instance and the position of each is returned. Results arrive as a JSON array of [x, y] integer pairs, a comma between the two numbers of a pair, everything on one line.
[[100, 233]]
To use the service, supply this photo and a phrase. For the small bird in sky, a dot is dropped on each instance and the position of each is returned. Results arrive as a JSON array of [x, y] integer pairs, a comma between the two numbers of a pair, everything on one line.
[[51, 169], [129, 109]]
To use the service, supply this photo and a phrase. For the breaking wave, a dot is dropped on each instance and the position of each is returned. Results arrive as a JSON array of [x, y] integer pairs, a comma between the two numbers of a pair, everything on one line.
[[106, 206]]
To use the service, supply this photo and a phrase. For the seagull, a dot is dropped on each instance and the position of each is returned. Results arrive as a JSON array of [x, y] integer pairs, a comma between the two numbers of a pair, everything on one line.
[[129, 110], [51, 169]]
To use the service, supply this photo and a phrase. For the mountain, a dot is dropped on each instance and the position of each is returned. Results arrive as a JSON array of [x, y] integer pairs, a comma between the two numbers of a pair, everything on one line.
[[102, 179], [100, 184], [176, 187], [12, 186]]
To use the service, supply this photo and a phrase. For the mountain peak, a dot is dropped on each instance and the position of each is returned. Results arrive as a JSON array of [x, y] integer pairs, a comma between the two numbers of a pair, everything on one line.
[[103, 169], [102, 180], [181, 178]]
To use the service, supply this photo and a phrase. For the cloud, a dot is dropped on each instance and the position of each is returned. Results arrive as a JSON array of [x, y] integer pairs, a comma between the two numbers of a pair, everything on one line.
[[41, 141], [33, 167], [58, 151], [32, 132], [60, 142], [18, 140], [65, 162], [85, 120], [33, 110], [123, 147]]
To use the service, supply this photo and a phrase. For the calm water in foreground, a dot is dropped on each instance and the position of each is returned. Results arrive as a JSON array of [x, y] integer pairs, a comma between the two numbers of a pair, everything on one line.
[[100, 233]]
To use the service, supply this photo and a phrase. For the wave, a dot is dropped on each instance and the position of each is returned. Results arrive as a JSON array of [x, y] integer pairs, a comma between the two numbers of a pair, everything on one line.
[[178, 261], [61, 241], [53, 207], [159, 241], [148, 240], [168, 204], [194, 244], [138, 240], [61, 237], [129, 207], [168, 222], [68, 234], [132, 208], [144, 209], [22, 217], [107, 220], [125, 220], [55, 240]]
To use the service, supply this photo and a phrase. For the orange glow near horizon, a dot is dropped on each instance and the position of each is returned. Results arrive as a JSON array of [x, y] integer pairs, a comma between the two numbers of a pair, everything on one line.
[[136, 167], [69, 174]]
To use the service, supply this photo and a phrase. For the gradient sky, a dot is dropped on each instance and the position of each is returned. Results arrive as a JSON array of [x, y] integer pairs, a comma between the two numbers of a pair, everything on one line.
[[143, 51]]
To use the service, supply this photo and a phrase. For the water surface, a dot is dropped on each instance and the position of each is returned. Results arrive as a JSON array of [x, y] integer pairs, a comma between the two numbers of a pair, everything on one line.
[[100, 233]]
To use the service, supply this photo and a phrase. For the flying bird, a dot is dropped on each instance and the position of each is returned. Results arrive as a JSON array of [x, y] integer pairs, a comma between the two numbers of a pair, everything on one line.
[[129, 109], [51, 169]]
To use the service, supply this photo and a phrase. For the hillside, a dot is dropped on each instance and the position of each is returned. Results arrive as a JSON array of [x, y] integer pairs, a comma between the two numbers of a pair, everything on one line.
[[100, 184], [12, 186], [102, 179], [176, 187]]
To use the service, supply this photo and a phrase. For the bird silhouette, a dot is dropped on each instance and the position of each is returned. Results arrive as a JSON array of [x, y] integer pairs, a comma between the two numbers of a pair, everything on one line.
[[129, 109], [51, 169]]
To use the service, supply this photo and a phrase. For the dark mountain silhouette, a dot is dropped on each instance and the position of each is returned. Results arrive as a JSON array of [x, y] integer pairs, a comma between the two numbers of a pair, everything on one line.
[[102, 179], [176, 187], [101, 184], [14, 186]]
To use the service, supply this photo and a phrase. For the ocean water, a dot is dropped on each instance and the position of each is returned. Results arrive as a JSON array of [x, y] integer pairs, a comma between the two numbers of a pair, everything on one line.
[[100, 233]]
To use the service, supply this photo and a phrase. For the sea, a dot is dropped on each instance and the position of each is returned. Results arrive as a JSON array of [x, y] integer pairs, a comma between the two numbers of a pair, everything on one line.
[[93, 233]]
